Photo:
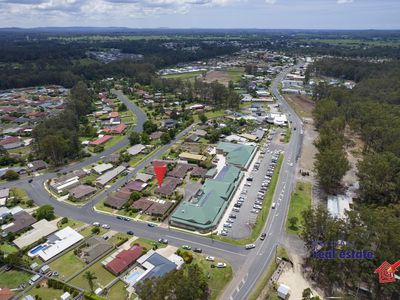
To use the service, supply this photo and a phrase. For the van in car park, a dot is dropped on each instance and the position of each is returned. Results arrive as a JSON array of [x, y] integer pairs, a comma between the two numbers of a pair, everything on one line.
[[273, 205]]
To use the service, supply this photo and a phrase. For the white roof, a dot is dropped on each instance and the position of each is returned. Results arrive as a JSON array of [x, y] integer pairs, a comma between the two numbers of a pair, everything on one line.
[[283, 289], [40, 229], [4, 193], [59, 241], [106, 177], [136, 149], [101, 168], [337, 205]]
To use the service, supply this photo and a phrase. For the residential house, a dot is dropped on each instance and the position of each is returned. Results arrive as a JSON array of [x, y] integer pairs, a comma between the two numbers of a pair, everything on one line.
[[136, 149], [4, 194], [124, 260], [82, 191], [93, 248], [108, 176]]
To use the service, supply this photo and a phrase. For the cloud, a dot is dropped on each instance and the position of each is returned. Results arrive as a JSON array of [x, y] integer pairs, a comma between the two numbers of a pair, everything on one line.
[[270, 1], [344, 1]]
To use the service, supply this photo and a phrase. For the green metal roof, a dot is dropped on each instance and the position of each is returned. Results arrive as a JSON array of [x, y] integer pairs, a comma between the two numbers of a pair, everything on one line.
[[205, 208], [237, 154]]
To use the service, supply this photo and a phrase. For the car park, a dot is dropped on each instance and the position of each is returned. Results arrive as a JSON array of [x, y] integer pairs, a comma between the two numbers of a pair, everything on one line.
[[250, 246]]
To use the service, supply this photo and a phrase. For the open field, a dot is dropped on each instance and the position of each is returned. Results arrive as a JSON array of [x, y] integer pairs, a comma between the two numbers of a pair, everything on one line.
[[184, 76], [118, 292], [299, 202], [224, 77]]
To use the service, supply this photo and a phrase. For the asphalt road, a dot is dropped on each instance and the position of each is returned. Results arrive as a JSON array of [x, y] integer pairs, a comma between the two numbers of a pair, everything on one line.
[[257, 261]]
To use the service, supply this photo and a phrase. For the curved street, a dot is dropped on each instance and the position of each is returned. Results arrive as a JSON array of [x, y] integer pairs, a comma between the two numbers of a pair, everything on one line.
[[248, 266]]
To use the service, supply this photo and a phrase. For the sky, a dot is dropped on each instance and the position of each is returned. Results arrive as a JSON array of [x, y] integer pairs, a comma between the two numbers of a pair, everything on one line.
[[263, 14]]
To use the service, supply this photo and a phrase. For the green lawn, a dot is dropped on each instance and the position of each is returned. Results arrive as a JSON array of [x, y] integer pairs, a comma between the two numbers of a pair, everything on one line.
[[235, 73], [46, 293], [20, 194], [71, 223], [5, 247], [67, 265], [88, 231], [118, 238], [100, 206], [299, 202], [104, 277], [13, 278], [115, 140], [218, 277], [263, 215], [215, 114], [118, 292]]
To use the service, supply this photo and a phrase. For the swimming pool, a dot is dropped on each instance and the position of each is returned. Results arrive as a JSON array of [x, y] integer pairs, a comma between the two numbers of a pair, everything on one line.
[[37, 249], [132, 277]]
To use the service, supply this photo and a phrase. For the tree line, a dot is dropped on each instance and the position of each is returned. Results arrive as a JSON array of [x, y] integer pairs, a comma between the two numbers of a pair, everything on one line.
[[375, 116]]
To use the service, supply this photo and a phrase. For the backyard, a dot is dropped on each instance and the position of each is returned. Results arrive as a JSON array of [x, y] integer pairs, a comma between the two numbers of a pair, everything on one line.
[[44, 293], [13, 278], [67, 265]]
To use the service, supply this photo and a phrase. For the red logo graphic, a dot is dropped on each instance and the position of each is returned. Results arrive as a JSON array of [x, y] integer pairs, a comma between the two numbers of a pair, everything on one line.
[[386, 272], [160, 168]]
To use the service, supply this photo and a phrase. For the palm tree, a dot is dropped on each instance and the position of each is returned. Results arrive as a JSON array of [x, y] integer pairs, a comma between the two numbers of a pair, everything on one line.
[[90, 276]]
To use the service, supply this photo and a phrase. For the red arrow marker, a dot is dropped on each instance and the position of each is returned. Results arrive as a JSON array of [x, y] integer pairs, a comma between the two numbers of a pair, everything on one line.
[[160, 168], [393, 267]]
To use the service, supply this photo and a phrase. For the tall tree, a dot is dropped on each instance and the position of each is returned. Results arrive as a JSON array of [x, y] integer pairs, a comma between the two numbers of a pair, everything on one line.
[[90, 277]]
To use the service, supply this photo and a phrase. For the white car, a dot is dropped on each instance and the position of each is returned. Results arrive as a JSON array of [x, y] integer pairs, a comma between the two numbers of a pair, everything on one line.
[[228, 225], [250, 246], [96, 224], [255, 211], [221, 265], [210, 258], [106, 226], [273, 205]]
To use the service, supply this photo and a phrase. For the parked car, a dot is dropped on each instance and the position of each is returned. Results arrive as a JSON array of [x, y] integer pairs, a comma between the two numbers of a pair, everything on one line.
[[255, 206], [151, 225], [255, 211], [232, 216], [236, 209], [119, 218], [163, 241], [228, 225], [186, 247], [198, 250], [263, 235], [210, 258], [230, 221], [250, 246], [221, 265], [130, 232], [224, 233], [96, 224], [106, 226]]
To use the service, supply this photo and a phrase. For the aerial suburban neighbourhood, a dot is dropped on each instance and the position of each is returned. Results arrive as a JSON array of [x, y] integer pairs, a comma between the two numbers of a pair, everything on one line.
[[182, 161]]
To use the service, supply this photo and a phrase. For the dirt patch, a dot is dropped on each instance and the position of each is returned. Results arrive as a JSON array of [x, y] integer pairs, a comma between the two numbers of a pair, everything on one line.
[[354, 149], [293, 278], [302, 104], [220, 76]]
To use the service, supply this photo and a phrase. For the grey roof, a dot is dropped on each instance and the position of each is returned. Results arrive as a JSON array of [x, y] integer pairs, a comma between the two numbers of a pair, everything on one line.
[[161, 265], [106, 177], [4, 193], [21, 220]]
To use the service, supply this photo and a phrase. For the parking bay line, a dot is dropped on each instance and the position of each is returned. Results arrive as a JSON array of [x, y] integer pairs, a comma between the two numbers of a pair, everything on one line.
[[204, 245]]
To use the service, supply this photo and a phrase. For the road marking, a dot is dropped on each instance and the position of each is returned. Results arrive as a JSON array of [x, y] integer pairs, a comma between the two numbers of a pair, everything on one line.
[[204, 245]]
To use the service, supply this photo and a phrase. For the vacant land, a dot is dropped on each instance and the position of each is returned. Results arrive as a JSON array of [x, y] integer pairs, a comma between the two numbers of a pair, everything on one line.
[[217, 277], [13, 278], [300, 201], [67, 265], [302, 105], [117, 292], [186, 76], [104, 277]]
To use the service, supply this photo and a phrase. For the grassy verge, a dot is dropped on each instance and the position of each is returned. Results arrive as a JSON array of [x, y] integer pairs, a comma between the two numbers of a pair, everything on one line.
[[263, 215], [71, 223], [281, 252], [299, 202], [148, 244], [67, 265], [7, 248], [287, 136]]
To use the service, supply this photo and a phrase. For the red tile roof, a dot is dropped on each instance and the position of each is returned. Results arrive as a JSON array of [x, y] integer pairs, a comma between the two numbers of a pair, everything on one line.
[[116, 129], [114, 114], [9, 140], [124, 260], [101, 140]]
